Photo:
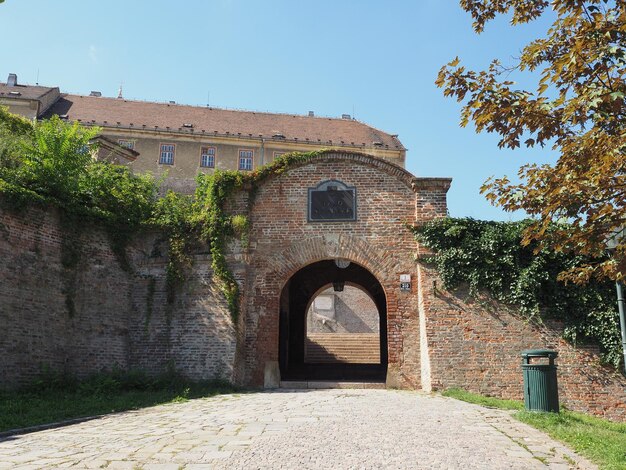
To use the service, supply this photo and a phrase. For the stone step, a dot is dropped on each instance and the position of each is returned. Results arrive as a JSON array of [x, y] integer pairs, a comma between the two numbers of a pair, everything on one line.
[[319, 384], [357, 348]]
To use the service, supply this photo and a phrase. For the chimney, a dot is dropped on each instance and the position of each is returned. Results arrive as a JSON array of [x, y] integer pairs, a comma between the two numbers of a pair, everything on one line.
[[12, 80], [345, 116], [96, 94], [311, 114]]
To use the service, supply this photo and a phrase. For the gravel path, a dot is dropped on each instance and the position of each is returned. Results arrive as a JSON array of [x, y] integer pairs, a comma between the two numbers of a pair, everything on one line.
[[306, 429]]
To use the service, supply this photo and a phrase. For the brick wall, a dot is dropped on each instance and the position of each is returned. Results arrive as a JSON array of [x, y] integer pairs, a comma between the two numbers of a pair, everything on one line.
[[282, 242], [195, 333], [436, 339], [111, 326], [37, 328], [476, 345]]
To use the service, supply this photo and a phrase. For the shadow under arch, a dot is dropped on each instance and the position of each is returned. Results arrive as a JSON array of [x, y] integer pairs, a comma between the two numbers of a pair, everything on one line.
[[295, 299]]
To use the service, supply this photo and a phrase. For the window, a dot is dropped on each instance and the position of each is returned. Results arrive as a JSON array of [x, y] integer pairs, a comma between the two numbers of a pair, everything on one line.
[[127, 144], [167, 154], [245, 159], [278, 154], [207, 157]]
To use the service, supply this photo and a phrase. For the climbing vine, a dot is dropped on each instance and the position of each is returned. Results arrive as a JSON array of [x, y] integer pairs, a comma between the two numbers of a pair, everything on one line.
[[50, 163], [489, 256], [213, 191]]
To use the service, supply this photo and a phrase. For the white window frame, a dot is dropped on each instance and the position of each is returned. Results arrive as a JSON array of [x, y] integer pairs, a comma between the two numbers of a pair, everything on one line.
[[168, 153], [244, 158], [210, 157], [278, 154]]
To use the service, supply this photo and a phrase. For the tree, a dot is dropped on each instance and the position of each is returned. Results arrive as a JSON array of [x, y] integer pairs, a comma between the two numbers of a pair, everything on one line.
[[55, 158], [577, 107], [14, 133], [51, 160]]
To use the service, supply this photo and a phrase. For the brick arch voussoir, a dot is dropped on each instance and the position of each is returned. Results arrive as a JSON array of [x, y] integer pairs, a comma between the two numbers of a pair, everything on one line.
[[283, 266]]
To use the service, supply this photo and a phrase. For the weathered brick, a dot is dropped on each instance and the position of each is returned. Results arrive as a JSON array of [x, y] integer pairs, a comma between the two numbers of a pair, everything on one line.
[[436, 339]]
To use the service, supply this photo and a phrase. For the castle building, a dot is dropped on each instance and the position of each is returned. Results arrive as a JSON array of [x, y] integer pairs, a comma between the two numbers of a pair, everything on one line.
[[181, 141]]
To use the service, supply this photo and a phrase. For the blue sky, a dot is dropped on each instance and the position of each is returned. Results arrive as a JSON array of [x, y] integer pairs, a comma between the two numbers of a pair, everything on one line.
[[375, 60]]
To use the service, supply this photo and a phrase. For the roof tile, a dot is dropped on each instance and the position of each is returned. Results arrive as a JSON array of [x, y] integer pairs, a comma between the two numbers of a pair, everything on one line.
[[109, 111]]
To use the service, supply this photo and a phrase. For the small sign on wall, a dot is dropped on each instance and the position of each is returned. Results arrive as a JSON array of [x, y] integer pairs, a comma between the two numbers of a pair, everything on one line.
[[405, 282], [332, 201]]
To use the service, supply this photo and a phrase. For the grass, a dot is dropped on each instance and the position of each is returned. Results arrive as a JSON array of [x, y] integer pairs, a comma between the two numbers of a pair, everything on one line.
[[490, 402], [49, 401], [601, 441]]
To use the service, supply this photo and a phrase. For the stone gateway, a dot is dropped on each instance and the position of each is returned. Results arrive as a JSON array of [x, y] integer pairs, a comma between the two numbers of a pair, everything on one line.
[[333, 224], [364, 211]]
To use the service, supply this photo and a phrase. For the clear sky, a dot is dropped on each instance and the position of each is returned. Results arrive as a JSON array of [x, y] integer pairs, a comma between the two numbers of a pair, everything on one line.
[[376, 60]]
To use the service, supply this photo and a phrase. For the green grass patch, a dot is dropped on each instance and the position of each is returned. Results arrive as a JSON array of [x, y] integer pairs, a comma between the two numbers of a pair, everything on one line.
[[51, 401], [490, 402], [601, 441]]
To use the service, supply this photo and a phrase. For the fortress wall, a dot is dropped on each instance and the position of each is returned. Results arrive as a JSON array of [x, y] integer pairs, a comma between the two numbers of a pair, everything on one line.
[[81, 313], [476, 345]]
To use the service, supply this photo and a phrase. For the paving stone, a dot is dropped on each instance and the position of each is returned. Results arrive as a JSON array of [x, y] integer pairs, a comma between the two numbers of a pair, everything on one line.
[[161, 466], [123, 465], [310, 429]]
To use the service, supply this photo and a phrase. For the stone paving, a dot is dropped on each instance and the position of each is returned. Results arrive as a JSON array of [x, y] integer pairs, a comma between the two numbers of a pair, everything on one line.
[[305, 429]]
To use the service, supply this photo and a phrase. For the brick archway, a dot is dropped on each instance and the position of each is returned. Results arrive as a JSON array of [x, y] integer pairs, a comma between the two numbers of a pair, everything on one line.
[[274, 274], [296, 296], [283, 239], [330, 246]]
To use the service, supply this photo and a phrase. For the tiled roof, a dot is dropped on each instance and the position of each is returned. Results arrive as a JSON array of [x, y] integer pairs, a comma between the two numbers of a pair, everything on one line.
[[27, 92], [115, 112]]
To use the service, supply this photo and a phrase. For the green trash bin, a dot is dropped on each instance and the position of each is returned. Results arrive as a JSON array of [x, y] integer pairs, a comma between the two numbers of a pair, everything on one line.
[[540, 387]]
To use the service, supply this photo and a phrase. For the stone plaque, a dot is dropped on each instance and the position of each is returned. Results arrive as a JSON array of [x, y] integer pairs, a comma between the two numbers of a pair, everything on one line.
[[332, 201]]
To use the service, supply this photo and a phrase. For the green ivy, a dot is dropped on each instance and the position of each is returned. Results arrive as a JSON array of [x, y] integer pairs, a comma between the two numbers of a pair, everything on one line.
[[173, 215], [49, 163], [212, 193], [488, 256]]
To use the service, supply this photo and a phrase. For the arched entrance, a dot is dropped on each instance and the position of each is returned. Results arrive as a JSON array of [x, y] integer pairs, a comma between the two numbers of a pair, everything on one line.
[[296, 299]]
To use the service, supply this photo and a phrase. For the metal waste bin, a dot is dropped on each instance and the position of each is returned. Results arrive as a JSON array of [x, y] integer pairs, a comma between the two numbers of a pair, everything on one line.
[[540, 387]]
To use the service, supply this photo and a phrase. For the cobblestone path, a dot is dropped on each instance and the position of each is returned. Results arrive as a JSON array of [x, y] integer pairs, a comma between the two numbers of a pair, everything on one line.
[[308, 429]]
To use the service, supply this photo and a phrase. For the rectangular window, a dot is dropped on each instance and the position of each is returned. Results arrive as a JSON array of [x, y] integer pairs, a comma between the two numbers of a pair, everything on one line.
[[278, 154], [167, 154], [245, 159], [207, 157], [127, 144]]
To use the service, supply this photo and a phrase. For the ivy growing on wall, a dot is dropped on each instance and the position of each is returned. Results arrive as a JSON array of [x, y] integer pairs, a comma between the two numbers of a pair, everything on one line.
[[50, 163], [203, 217], [489, 256]]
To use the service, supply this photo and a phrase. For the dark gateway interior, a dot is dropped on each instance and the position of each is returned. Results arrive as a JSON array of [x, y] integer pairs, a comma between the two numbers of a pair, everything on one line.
[[295, 299]]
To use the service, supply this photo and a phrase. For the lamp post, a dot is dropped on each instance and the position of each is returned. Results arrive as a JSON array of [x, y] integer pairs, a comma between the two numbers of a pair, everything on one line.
[[619, 236]]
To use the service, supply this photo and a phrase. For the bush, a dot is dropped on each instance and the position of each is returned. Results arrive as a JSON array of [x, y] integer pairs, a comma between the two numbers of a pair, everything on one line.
[[122, 198]]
